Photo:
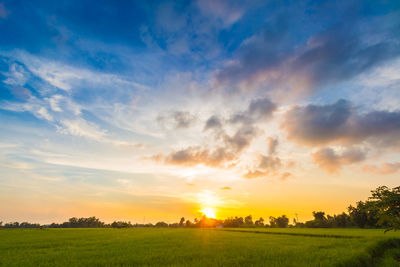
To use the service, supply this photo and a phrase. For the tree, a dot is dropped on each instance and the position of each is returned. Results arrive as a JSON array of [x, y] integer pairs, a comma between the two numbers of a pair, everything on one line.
[[272, 222], [364, 214], [319, 220], [233, 222], [319, 215], [341, 220], [259, 222], [182, 221], [387, 204], [161, 224], [282, 221], [248, 220], [120, 224]]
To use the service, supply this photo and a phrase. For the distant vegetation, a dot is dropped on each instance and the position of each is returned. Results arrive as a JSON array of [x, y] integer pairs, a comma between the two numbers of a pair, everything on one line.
[[381, 210]]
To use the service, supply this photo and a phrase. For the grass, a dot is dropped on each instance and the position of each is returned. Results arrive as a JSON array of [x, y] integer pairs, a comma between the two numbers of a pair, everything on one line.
[[199, 247]]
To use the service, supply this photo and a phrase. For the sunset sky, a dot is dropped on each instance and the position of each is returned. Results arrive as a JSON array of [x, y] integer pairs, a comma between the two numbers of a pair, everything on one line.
[[148, 111]]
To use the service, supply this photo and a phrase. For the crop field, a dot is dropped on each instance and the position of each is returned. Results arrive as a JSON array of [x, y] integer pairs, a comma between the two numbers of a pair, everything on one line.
[[199, 247]]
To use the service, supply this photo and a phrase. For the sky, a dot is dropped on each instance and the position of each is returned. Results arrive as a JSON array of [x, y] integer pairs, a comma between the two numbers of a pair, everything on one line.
[[153, 110]]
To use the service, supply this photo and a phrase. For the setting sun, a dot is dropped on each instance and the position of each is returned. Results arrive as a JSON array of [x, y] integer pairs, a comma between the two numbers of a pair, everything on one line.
[[208, 212]]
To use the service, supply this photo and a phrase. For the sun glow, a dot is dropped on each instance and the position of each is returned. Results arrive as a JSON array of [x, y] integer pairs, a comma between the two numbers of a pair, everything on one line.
[[208, 212]]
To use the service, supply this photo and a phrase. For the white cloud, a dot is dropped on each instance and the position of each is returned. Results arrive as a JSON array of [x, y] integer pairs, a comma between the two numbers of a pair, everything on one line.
[[54, 102], [80, 127], [42, 112]]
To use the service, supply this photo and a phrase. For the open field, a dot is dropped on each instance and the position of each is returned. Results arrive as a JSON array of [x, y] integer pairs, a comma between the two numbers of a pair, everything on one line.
[[199, 247]]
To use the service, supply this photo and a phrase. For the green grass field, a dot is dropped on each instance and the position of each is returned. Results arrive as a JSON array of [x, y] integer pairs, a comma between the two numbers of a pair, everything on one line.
[[199, 247]]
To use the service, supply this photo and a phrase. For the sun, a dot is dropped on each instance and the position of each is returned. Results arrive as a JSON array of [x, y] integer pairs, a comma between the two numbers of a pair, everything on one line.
[[208, 212]]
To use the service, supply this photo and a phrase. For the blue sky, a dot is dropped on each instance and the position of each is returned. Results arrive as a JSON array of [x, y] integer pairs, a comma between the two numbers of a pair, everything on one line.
[[164, 108]]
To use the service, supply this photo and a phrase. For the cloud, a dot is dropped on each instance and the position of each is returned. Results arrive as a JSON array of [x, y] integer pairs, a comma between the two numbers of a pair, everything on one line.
[[229, 146], [260, 109], [259, 53], [33, 105], [228, 12], [213, 123], [272, 145], [67, 78], [284, 176], [341, 123], [384, 168], [269, 163], [54, 102], [224, 155], [267, 166], [332, 162], [226, 188], [241, 139], [269, 60], [80, 127], [255, 174], [176, 119], [42, 112], [195, 156]]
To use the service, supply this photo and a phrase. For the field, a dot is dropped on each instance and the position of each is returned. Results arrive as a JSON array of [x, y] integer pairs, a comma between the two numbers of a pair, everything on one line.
[[199, 247]]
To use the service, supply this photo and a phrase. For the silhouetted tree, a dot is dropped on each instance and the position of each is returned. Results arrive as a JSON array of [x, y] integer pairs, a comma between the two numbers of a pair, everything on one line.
[[248, 220], [259, 222], [161, 224], [182, 221], [281, 222], [121, 224], [319, 220], [233, 222]]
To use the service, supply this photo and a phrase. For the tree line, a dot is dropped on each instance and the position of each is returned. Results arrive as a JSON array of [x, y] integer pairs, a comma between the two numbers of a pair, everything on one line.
[[381, 210]]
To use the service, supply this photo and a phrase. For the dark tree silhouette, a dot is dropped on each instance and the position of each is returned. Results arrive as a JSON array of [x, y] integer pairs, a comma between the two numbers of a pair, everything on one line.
[[248, 220], [161, 224], [182, 221], [259, 222]]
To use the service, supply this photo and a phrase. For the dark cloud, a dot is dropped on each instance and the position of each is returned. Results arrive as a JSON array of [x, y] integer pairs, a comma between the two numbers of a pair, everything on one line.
[[340, 54], [341, 123], [192, 156], [317, 124], [262, 51], [213, 123], [272, 59], [241, 139], [332, 162], [260, 109], [183, 119]]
